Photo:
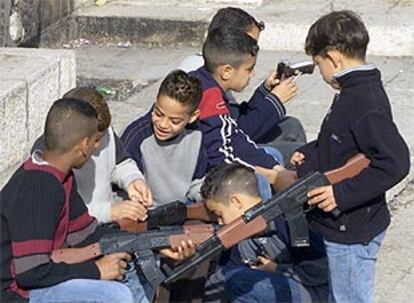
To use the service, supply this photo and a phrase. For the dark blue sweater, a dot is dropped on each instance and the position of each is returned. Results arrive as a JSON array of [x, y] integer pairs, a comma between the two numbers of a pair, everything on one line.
[[225, 140], [359, 121]]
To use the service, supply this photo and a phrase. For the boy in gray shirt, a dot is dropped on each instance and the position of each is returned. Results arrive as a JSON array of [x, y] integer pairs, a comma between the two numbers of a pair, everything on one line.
[[166, 146]]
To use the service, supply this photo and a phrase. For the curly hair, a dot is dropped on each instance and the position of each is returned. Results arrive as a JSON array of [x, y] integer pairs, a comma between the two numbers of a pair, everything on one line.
[[97, 101], [183, 88]]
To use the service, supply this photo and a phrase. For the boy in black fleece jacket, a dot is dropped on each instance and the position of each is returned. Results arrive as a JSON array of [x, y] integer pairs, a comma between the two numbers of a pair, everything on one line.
[[359, 121]]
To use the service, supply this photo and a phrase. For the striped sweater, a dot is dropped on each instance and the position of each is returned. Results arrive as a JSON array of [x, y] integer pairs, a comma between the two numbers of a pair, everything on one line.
[[41, 211]]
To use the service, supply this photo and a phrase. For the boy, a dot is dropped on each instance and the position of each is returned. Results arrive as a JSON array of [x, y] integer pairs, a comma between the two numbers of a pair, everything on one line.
[[166, 149], [359, 120], [41, 211], [109, 164], [233, 17], [286, 274], [230, 56], [283, 132]]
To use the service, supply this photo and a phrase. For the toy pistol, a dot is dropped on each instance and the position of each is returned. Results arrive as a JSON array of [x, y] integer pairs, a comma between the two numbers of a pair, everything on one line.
[[285, 69]]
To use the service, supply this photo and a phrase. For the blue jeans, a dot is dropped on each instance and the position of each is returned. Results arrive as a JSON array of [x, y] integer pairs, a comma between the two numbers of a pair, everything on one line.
[[352, 270], [246, 285], [265, 189], [92, 291]]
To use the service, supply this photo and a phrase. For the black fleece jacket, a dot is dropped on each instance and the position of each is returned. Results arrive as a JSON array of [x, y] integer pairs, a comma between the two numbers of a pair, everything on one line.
[[359, 121]]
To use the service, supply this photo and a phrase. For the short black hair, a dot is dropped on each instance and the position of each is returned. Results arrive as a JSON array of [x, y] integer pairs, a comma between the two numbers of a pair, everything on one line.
[[69, 121], [226, 45], [340, 30], [228, 179], [236, 18], [183, 88]]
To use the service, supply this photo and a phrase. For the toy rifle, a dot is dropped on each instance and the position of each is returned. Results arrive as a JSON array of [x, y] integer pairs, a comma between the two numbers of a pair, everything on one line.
[[289, 203], [174, 213], [139, 244]]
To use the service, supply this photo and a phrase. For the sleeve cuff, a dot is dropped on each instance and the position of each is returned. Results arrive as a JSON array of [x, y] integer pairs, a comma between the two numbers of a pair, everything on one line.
[[126, 172]]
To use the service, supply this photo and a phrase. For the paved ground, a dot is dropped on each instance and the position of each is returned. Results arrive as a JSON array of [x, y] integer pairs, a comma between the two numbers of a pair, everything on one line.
[[395, 267]]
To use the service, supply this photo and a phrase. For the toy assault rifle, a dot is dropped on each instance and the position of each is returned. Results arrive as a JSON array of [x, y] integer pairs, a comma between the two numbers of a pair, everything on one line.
[[289, 203], [285, 69], [139, 244], [174, 213]]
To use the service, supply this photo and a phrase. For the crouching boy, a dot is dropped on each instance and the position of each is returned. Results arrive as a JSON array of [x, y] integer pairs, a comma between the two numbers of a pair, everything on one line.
[[265, 268]]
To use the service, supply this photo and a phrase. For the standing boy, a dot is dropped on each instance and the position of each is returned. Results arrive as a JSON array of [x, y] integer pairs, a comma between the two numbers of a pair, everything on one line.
[[169, 153], [359, 121]]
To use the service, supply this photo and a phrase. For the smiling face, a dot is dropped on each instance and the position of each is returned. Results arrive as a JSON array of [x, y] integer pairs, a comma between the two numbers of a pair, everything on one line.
[[170, 117]]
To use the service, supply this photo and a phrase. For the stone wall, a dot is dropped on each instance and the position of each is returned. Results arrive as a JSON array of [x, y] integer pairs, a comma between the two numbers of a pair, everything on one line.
[[5, 9], [35, 22], [30, 81]]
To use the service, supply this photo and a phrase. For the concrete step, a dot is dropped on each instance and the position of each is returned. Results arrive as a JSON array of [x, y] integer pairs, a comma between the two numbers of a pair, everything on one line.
[[124, 71], [30, 81], [159, 23]]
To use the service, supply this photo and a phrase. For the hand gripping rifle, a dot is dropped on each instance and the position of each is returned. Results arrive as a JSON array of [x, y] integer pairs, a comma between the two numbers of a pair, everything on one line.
[[139, 244], [174, 213], [289, 203]]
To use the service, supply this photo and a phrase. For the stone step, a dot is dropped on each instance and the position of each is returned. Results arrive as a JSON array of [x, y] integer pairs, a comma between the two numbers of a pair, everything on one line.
[[160, 23]]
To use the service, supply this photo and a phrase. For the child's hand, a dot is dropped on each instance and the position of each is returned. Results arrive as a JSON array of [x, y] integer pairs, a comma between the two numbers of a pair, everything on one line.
[[284, 178], [138, 190], [297, 158], [323, 197], [128, 209], [271, 81], [285, 90], [112, 266], [185, 251], [265, 264]]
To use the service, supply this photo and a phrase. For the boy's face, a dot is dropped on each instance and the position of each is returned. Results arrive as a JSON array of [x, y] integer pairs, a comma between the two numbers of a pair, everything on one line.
[[169, 117], [226, 212], [327, 69], [88, 147], [240, 76]]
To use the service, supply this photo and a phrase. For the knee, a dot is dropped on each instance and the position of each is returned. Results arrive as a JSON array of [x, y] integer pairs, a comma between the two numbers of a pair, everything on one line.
[[294, 123], [117, 292]]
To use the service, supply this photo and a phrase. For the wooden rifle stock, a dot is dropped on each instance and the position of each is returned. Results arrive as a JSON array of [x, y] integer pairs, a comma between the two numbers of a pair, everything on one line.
[[352, 168], [199, 211]]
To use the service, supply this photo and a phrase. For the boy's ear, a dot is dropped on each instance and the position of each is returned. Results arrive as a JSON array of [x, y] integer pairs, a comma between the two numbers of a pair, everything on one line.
[[226, 72], [82, 146], [335, 57], [236, 201], [194, 116]]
